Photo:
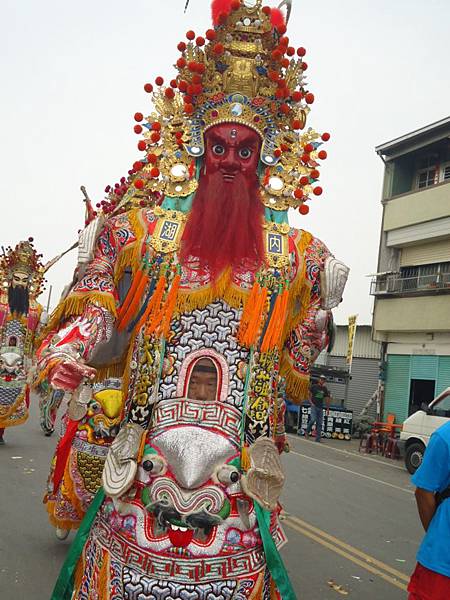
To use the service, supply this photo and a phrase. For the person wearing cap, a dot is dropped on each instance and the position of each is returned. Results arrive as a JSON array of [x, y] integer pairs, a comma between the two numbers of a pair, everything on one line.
[[319, 394]]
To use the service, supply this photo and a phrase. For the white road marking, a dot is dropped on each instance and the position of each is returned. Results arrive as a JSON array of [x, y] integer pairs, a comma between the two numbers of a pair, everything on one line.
[[348, 453], [323, 462]]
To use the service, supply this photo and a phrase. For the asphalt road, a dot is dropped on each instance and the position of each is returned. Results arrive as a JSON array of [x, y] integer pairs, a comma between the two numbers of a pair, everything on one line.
[[351, 521]]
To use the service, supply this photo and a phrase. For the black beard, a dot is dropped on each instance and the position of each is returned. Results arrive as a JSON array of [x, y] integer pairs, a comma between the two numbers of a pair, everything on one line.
[[18, 299]]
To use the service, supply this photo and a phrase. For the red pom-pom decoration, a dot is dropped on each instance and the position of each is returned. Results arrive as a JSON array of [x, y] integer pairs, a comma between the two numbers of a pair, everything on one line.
[[138, 116], [308, 148], [142, 145], [156, 126], [188, 109], [322, 155], [137, 129], [210, 35], [181, 46], [290, 51], [139, 184], [304, 180], [297, 96], [169, 93], [296, 124], [151, 158], [309, 97], [303, 209], [298, 193], [304, 66], [181, 62], [325, 137], [155, 137], [235, 4], [200, 41], [277, 20], [190, 35], [285, 63], [137, 166], [154, 172], [305, 158], [159, 80], [196, 79], [285, 109], [148, 88], [301, 51], [277, 152], [182, 85], [315, 174], [276, 55], [218, 48], [317, 190], [173, 83], [219, 10]]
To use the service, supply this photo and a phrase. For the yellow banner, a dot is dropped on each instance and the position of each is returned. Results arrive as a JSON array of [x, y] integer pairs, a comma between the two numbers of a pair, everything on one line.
[[351, 338]]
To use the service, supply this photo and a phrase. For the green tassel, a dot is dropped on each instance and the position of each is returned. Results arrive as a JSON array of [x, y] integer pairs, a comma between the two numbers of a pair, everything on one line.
[[273, 558], [64, 586]]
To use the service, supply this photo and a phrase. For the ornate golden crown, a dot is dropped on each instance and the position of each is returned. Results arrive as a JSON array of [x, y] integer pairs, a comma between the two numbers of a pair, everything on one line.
[[242, 71], [25, 259]]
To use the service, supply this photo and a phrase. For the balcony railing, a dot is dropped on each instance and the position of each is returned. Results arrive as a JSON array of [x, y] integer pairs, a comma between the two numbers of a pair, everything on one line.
[[420, 284]]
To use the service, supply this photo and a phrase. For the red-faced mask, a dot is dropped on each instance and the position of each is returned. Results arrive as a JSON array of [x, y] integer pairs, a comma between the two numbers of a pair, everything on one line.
[[231, 149], [224, 228]]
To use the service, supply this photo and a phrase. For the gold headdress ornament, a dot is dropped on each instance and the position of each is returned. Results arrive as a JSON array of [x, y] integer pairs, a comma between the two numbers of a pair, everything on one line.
[[243, 71], [24, 259]]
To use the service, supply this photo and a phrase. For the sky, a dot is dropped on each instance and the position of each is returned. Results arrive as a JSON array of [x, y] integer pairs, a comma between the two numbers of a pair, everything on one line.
[[72, 76]]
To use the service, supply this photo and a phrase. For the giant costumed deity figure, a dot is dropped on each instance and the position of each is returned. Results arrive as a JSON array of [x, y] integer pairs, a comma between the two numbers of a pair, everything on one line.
[[226, 302], [21, 274]]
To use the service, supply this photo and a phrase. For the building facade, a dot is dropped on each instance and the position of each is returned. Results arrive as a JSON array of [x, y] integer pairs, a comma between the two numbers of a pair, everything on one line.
[[412, 285], [364, 369]]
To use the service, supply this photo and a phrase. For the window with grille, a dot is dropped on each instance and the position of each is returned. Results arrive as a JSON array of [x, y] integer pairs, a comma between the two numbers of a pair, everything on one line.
[[427, 171], [426, 178], [445, 172]]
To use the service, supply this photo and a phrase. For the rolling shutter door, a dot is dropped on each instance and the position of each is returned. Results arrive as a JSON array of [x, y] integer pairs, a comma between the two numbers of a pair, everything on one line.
[[443, 378], [396, 398]]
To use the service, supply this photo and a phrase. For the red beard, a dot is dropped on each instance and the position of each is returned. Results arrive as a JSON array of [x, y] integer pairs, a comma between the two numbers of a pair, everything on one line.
[[224, 228]]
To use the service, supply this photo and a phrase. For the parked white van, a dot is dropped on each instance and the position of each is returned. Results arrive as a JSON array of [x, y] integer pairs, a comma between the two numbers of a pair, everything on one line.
[[418, 428]]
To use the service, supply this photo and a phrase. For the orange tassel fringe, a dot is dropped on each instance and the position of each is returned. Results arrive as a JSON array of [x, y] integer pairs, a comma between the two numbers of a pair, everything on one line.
[[154, 302], [274, 332], [247, 312], [134, 304], [256, 319], [130, 295]]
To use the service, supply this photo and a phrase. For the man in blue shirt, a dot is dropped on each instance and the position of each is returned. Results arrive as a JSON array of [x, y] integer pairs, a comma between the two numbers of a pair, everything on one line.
[[431, 578]]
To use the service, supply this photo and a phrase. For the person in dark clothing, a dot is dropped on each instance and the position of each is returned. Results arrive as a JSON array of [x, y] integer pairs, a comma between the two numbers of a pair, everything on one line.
[[318, 395]]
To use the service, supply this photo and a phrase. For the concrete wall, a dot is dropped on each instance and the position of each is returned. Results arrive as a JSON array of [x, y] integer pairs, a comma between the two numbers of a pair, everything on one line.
[[420, 313], [417, 207]]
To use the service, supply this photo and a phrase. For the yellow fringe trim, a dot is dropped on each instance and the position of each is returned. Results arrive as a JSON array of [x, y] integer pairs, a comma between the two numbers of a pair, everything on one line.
[[245, 459], [300, 289], [115, 370], [297, 384], [130, 256], [75, 304], [222, 289]]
